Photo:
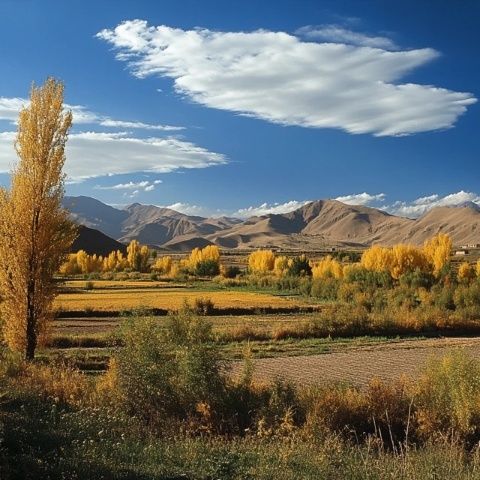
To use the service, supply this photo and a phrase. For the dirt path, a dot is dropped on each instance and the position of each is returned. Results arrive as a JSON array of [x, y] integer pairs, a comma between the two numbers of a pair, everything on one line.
[[358, 366]]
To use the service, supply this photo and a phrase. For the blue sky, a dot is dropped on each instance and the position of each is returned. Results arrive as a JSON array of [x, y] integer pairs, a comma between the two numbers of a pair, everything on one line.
[[245, 107]]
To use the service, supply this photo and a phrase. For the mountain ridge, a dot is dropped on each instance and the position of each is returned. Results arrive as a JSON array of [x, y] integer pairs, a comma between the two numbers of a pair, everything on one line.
[[317, 224]]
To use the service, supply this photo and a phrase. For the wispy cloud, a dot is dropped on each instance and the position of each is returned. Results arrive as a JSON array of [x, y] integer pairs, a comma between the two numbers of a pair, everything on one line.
[[96, 154], [338, 34], [9, 108], [413, 208], [268, 208], [189, 209], [362, 198], [146, 186], [275, 76], [423, 204]]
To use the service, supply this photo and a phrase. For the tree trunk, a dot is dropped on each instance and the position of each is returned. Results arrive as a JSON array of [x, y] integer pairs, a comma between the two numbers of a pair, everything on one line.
[[31, 343], [31, 339]]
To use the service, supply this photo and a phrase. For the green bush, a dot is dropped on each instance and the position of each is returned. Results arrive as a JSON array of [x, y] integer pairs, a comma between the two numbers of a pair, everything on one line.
[[299, 267], [207, 268], [325, 289], [168, 375]]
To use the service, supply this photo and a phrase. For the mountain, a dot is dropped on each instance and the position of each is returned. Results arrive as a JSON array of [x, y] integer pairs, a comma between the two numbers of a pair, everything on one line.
[[315, 225], [93, 241]]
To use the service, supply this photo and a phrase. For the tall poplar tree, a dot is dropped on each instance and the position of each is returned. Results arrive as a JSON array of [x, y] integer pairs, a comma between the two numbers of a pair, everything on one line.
[[35, 231]]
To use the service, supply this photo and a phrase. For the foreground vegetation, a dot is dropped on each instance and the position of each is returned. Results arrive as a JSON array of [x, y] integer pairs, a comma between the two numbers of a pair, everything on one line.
[[167, 408]]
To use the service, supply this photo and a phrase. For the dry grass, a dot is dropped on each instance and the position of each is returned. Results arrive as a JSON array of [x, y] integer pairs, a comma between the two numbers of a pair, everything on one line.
[[169, 299], [146, 283]]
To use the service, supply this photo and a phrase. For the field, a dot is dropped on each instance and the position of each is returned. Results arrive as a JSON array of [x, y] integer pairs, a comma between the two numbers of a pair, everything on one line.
[[165, 297]]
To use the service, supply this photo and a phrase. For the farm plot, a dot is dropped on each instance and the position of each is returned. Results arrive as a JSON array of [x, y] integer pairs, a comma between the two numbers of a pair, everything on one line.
[[168, 299], [358, 366]]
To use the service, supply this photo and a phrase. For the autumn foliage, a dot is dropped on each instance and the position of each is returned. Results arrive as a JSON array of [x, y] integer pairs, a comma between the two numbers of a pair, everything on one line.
[[35, 231], [261, 261]]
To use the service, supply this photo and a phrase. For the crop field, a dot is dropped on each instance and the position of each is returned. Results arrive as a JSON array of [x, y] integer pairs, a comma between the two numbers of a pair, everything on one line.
[[118, 299], [359, 363]]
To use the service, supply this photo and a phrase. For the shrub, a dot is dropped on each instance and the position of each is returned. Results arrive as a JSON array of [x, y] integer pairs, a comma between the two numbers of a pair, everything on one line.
[[203, 306], [325, 289], [448, 397], [207, 268], [417, 279], [173, 374], [299, 267], [230, 271]]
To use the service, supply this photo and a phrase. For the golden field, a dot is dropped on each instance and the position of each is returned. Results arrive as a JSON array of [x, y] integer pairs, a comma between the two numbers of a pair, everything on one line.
[[165, 298]]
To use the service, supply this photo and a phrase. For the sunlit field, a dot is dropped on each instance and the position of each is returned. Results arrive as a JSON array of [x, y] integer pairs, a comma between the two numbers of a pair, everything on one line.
[[165, 298]]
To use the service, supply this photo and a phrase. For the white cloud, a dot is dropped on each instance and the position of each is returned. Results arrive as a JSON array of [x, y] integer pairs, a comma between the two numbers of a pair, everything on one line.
[[94, 154], [423, 204], [188, 209], [361, 198], [9, 108], [265, 209], [145, 185], [338, 34], [278, 77]]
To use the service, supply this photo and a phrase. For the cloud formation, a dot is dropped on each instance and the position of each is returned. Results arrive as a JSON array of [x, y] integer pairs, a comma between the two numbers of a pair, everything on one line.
[[423, 204], [146, 186], [266, 208], [414, 208], [275, 76], [95, 154], [361, 198], [9, 108], [338, 34]]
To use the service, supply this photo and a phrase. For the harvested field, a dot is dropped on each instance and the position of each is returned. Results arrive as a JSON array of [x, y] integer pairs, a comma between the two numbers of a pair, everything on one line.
[[169, 299], [358, 366], [220, 323]]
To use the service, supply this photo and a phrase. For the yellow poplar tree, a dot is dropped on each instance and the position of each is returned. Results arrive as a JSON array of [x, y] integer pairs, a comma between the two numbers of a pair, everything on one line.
[[281, 265], [261, 261], [328, 267], [408, 258], [137, 256], [438, 250], [35, 231], [163, 265], [378, 259], [466, 272]]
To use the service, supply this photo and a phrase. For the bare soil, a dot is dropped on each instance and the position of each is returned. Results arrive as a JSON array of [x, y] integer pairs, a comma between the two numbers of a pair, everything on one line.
[[358, 366]]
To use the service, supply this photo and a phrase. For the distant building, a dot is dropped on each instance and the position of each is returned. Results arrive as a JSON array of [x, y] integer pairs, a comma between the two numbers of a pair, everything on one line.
[[461, 252]]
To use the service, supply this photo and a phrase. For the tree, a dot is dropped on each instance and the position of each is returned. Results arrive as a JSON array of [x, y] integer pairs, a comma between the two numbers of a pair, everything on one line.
[[327, 267], [438, 250], [204, 261], [466, 272], [35, 231], [138, 256], [261, 261]]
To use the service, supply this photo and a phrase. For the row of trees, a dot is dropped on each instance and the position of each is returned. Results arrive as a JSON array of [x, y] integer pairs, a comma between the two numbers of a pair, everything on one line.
[[432, 258], [137, 259]]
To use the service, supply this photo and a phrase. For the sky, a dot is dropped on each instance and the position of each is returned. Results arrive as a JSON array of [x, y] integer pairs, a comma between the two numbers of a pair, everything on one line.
[[251, 107]]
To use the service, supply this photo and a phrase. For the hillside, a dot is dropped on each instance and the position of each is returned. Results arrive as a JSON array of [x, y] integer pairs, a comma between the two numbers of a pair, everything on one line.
[[93, 241], [315, 225]]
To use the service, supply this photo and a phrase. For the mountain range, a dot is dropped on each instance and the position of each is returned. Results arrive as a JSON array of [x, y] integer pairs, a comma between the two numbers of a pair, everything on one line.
[[316, 225]]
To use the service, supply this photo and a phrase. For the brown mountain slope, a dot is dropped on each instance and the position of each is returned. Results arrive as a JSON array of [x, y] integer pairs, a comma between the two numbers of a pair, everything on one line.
[[462, 223], [325, 222], [315, 225]]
